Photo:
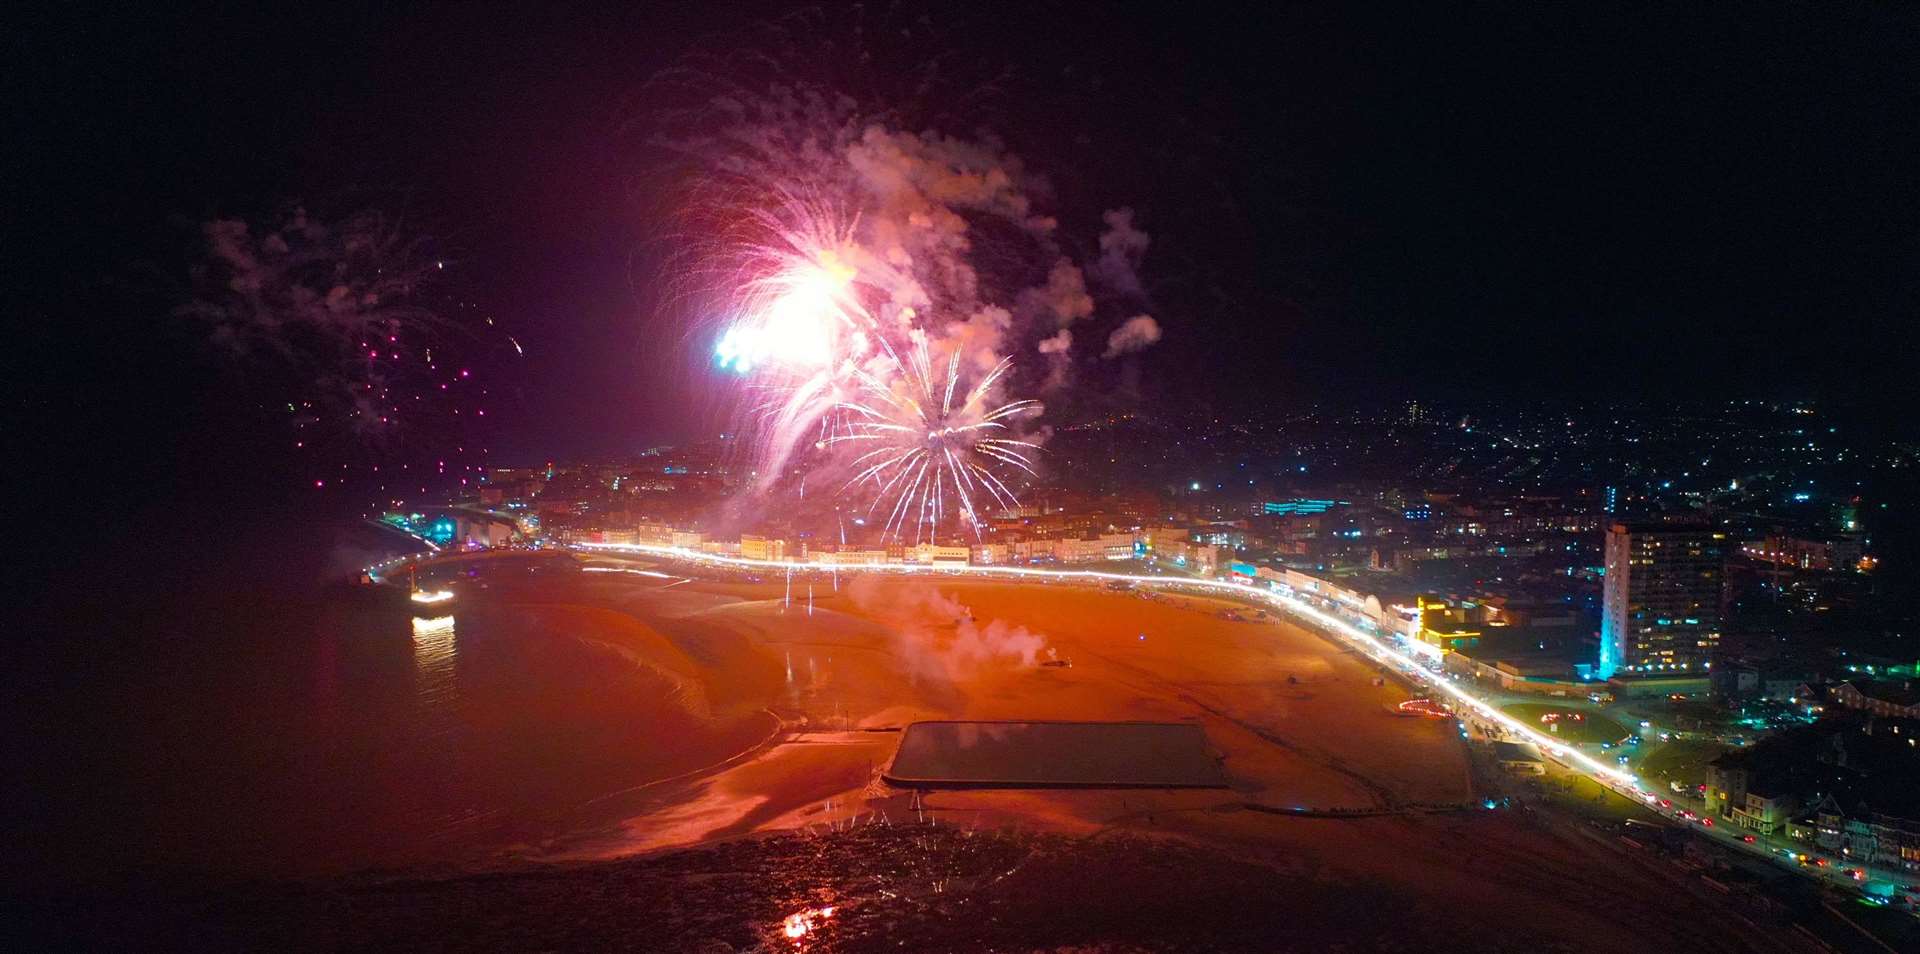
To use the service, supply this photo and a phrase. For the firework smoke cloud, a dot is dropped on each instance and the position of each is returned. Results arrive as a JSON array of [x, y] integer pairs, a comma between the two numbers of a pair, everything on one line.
[[1137, 333], [335, 300], [936, 638], [880, 292], [344, 322], [1122, 246]]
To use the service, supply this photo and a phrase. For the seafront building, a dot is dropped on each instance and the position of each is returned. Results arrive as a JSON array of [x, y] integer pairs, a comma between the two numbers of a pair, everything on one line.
[[1661, 611]]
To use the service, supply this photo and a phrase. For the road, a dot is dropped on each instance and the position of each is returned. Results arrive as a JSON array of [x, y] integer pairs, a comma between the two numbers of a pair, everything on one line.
[[1683, 809]]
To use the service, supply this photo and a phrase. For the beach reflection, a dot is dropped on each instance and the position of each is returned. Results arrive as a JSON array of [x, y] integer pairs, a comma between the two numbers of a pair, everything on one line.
[[434, 655]]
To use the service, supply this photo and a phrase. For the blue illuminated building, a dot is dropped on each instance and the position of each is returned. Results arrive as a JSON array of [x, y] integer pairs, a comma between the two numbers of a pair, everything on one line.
[[1281, 508], [1662, 606]]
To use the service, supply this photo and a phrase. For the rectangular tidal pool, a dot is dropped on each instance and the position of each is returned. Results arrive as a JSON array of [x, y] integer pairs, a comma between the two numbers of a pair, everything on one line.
[[1055, 755]]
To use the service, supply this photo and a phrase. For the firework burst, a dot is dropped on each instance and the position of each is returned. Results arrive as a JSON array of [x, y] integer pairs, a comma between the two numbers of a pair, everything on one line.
[[861, 384], [797, 309], [926, 455], [883, 297], [840, 346]]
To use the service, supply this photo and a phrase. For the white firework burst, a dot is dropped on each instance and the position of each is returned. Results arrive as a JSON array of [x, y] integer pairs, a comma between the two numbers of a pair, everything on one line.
[[936, 450]]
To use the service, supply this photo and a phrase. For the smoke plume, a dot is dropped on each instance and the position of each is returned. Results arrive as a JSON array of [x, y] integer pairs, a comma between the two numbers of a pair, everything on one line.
[[1122, 246], [1138, 332], [1058, 344], [936, 637]]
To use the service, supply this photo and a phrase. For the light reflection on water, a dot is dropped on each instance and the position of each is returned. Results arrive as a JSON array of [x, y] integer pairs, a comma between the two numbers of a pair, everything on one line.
[[802, 923], [435, 651], [810, 687]]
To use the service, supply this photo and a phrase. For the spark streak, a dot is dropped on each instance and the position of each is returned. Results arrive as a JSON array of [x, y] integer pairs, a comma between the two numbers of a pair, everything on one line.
[[927, 449]]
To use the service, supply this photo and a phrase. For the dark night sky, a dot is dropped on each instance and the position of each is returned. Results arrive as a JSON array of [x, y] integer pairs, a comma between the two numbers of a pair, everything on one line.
[[1500, 200]]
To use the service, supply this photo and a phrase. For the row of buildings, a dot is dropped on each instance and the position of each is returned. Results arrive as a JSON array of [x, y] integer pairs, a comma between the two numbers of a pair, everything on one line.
[[1659, 590], [1169, 545], [1843, 787], [1662, 613]]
